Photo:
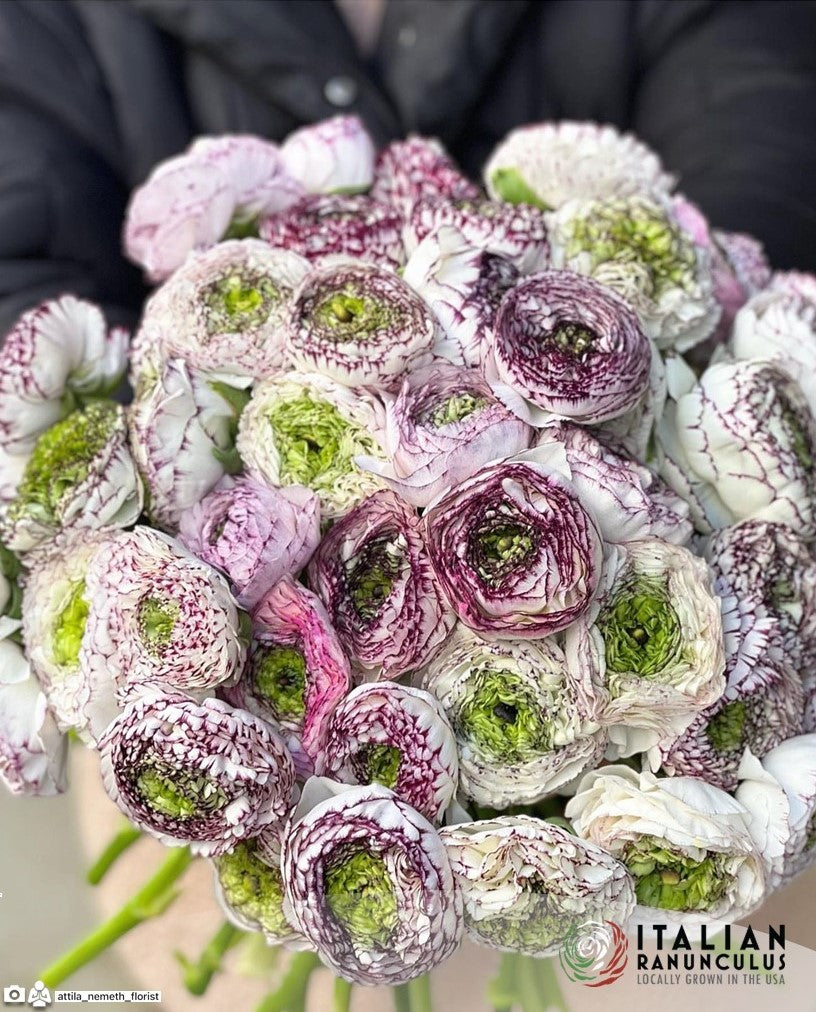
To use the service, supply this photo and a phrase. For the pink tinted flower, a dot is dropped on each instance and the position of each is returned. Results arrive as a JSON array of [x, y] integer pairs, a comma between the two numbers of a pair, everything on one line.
[[418, 168], [333, 156]]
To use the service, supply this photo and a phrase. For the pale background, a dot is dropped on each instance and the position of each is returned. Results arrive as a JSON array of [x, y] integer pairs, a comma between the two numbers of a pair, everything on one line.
[[46, 845]]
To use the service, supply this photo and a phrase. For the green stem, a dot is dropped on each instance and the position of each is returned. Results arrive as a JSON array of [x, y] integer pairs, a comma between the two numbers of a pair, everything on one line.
[[197, 976], [291, 995], [150, 901], [419, 991], [342, 995], [124, 839], [502, 992], [548, 986], [402, 998]]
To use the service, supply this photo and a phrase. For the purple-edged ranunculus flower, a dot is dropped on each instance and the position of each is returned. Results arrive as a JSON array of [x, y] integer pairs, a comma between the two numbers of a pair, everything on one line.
[[52, 358], [219, 186], [571, 348], [359, 324], [374, 574], [32, 750], [80, 475], [224, 311], [418, 168], [444, 424], [547, 164], [628, 501], [306, 429], [182, 437], [296, 671], [199, 774], [397, 736], [739, 444], [354, 226], [254, 533], [651, 644], [635, 246], [515, 551], [518, 234], [523, 725], [369, 884], [746, 257], [464, 286], [526, 883], [156, 613], [333, 156]]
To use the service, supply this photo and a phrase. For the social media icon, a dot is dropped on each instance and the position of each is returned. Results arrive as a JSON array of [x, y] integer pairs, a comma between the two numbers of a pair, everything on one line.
[[39, 996], [14, 995]]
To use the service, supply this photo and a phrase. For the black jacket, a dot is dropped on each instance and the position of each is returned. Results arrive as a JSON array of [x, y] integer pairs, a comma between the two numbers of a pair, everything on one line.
[[94, 92]]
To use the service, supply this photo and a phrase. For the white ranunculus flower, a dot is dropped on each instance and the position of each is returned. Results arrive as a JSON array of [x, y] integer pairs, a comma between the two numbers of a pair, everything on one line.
[[652, 643], [739, 444], [526, 882], [685, 843], [333, 156]]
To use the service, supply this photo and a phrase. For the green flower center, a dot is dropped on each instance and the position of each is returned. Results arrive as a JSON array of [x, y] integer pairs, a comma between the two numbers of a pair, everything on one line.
[[279, 673], [726, 730], [671, 880], [350, 314], [69, 628], [157, 618], [242, 229], [454, 409], [63, 457], [636, 233], [253, 887], [376, 763], [361, 898], [175, 792], [372, 575], [533, 924], [641, 631], [797, 430], [498, 548], [240, 301], [572, 338], [315, 443], [502, 718]]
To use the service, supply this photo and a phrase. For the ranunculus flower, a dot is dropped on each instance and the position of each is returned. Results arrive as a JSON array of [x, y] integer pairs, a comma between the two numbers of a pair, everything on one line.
[[628, 501], [516, 553], [548, 164], [354, 226], [369, 883], [739, 444], [396, 736], [463, 286], [182, 436], [632, 434], [32, 750], [296, 672], [374, 574], [415, 169], [781, 327], [571, 348], [333, 156], [254, 533], [746, 257], [55, 611], [634, 246], [249, 888], [523, 725], [53, 356], [156, 613], [517, 234], [780, 794], [685, 843], [80, 474], [359, 324], [796, 283], [652, 644], [192, 201], [526, 883], [224, 310], [444, 424], [306, 429], [199, 774]]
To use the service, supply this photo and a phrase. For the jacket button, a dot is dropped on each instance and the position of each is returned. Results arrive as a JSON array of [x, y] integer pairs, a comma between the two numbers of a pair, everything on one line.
[[340, 91]]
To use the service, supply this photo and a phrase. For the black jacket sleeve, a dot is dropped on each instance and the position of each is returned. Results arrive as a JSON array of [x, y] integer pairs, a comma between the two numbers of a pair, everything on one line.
[[727, 93]]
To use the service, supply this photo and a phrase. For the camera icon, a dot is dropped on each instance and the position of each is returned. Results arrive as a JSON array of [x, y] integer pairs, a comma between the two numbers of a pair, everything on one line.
[[15, 994]]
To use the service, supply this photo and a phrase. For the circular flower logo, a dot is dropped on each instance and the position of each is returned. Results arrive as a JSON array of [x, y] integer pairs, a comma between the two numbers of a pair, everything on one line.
[[594, 953]]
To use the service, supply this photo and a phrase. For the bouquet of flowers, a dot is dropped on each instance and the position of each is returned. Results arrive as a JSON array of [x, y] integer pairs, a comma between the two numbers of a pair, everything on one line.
[[445, 567]]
